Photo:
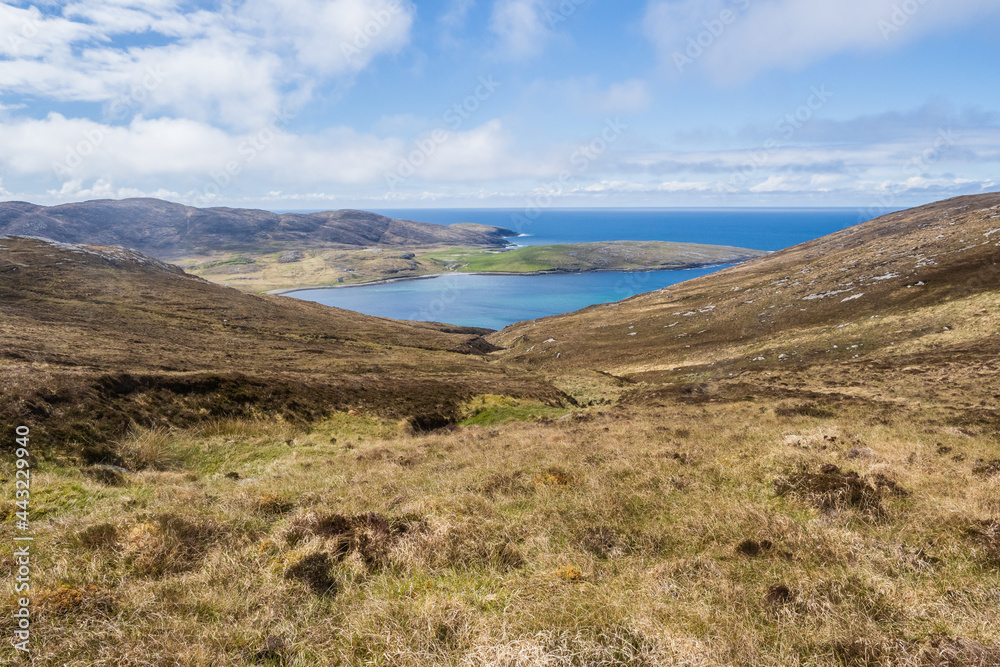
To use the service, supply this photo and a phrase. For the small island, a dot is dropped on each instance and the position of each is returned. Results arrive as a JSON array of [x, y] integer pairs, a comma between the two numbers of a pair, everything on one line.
[[324, 267]]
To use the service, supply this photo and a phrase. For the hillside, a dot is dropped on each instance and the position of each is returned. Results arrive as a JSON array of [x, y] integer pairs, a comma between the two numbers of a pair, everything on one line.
[[791, 462], [92, 334], [901, 290], [319, 267], [168, 231]]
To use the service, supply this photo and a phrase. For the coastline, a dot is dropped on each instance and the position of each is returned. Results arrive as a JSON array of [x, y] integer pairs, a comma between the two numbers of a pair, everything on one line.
[[381, 281], [551, 272]]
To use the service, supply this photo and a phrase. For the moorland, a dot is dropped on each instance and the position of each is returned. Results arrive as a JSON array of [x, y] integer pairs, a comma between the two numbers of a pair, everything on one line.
[[793, 461]]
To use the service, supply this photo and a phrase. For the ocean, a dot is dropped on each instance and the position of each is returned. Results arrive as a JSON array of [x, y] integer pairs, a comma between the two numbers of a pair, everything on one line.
[[494, 302]]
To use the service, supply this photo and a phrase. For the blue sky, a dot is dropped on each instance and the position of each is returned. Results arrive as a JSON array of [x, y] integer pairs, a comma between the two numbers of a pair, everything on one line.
[[301, 104]]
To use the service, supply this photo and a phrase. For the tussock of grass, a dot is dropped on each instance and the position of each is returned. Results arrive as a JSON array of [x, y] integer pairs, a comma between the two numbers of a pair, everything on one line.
[[145, 449], [636, 536]]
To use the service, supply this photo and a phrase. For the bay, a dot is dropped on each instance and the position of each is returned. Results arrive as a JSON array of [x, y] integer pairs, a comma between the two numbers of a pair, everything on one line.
[[494, 301], [491, 301]]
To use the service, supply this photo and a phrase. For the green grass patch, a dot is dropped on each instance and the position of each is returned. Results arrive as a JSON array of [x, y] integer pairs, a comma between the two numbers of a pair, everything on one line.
[[491, 410], [610, 256]]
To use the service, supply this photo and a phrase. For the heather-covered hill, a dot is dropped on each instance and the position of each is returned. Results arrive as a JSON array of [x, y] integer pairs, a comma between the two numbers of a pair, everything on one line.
[[921, 280], [167, 230], [95, 337]]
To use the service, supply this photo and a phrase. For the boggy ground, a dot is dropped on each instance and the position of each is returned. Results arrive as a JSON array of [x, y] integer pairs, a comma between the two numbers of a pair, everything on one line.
[[695, 530]]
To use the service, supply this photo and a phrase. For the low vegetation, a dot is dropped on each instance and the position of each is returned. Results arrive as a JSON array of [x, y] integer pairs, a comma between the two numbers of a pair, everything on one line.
[[706, 475], [730, 533], [572, 257]]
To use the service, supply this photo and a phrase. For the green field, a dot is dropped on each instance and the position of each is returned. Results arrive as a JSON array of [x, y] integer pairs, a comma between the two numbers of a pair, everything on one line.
[[315, 267], [608, 256]]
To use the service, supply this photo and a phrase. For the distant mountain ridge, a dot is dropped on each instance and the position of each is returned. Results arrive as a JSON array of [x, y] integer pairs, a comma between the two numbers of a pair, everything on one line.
[[170, 230]]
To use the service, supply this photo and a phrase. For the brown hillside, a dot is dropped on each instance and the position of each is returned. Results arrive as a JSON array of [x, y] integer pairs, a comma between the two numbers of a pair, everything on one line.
[[809, 297], [95, 337], [896, 309], [755, 468]]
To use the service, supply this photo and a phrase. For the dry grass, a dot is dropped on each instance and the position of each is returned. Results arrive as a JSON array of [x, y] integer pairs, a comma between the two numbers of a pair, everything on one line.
[[675, 535], [145, 449], [836, 506]]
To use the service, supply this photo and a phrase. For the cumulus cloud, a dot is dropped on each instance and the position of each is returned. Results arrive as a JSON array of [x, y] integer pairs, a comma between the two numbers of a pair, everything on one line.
[[736, 40], [231, 66], [190, 156], [331, 36]]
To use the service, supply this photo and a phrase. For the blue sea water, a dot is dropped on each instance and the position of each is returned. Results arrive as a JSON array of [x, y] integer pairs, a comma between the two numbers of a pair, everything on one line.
[[496, 301], [757, 228]]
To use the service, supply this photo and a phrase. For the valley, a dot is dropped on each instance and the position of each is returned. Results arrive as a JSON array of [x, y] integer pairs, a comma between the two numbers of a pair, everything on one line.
[[792, 461]]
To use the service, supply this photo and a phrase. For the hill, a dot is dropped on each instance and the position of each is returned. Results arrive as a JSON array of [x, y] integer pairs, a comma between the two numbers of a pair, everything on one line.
[[911, 285], [794, 461], [168, 230], [96, 338]]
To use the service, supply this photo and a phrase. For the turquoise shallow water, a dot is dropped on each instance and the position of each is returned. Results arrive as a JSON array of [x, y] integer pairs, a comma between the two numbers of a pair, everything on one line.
[[497, 301]]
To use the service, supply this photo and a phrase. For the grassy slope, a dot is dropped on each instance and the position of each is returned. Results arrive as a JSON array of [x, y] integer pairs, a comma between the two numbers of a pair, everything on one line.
[[93, 339], [646, 535], [679, 516], [889, 287], [329, 266]]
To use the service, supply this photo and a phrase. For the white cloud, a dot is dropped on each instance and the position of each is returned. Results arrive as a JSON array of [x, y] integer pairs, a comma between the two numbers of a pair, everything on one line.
[[26, 33], [483, 153], [224, 79], [231, 67], [519, 28], [629, 187], [331, 36], [182, 155], [103, 188], [87, 149], [791, 34]]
